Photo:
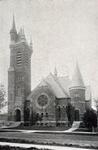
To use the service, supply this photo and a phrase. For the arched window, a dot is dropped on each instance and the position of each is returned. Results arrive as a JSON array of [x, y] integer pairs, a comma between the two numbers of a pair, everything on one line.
[[17, 115], [42, 115], [46, 115], [59, 112], [37, 116], [27, 114]]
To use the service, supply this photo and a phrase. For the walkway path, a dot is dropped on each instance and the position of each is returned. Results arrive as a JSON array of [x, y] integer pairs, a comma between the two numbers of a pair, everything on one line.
[[75, 126]]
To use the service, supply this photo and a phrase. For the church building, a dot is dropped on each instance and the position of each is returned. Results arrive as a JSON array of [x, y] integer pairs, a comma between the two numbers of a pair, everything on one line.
[[50, 98]]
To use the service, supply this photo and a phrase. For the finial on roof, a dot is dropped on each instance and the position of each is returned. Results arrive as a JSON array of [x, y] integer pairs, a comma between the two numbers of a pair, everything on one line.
[[55, 71]]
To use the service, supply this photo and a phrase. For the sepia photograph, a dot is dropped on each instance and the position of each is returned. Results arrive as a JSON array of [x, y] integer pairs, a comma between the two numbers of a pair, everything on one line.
[[48, 74]]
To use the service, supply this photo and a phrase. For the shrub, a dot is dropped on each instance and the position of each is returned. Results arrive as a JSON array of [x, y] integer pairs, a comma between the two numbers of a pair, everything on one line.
[[90, 119]]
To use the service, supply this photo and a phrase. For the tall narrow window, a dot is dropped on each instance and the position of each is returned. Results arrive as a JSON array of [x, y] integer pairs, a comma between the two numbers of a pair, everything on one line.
[[46, 115], [19, 58]]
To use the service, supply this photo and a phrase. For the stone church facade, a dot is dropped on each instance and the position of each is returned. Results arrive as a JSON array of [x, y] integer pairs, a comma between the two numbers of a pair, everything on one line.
[[50, 98]]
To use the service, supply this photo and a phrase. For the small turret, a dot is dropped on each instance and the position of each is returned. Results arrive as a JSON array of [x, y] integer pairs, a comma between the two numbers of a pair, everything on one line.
[[55, 71], [23, 38], [21, 35], [31, 44], [13, 31]]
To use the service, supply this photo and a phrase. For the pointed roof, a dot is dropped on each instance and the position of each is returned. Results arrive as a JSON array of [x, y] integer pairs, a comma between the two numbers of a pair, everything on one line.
[[13, 29], [77, 80]]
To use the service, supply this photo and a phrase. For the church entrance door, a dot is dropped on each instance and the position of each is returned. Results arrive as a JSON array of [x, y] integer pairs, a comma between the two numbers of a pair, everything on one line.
[[77, 115], [17, 115]]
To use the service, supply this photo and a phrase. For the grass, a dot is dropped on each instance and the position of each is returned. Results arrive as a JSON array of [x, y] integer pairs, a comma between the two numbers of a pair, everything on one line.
[[27, 141]]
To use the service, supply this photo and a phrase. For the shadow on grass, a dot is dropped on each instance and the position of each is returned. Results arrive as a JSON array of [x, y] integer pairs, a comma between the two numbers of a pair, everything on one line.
[[6, 147]]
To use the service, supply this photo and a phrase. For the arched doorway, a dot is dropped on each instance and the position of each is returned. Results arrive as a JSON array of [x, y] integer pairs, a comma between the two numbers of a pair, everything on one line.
[[77, 115], [17, 115]]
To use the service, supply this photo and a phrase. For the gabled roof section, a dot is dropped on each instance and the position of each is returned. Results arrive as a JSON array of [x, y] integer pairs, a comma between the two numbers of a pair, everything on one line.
[[42, 83], [57, 90], [58, 85], [65, 83], [77, 80]]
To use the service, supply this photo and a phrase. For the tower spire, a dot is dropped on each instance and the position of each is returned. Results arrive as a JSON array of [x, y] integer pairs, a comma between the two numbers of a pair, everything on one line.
[[13, 31], [77, 80], [13, 25]]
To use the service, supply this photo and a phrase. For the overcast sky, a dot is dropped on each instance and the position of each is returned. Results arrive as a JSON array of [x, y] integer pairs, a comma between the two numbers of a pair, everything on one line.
[[61, 30]]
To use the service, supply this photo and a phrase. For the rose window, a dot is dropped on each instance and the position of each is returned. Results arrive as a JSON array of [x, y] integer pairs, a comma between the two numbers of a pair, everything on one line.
[[42, 100]]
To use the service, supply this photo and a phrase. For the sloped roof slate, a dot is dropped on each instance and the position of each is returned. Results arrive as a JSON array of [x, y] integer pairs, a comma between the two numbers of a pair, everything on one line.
[[55, 86]]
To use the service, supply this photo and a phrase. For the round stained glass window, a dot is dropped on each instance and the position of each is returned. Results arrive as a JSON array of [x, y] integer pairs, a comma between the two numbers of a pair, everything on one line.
[[42, 100]]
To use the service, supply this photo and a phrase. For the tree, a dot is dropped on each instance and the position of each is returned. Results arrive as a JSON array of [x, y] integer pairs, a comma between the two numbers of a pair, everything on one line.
[[2, 95], [90, 119]]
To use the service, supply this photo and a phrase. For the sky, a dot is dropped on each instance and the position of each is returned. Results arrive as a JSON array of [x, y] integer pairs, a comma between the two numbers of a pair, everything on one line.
[[62, 32]]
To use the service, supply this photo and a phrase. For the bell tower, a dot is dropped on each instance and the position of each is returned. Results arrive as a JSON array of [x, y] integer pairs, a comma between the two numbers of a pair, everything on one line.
[[19, 73]]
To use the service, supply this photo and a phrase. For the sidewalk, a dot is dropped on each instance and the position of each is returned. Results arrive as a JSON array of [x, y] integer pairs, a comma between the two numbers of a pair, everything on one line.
[[69, 131]]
